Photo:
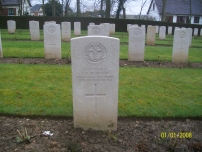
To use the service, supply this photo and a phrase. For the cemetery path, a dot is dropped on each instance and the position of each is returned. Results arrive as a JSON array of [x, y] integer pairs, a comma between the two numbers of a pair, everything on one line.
[[140, 135], [154, 64]]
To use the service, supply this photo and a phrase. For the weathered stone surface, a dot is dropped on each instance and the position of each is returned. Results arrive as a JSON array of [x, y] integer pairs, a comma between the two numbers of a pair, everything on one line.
[[136, 44], [190, 36], [195, 31], [11, 26], [52, 41], [162, 33], [112, 28], [95, 73], [66, 31], [96, 30], [181, 45], [157, 29], [106, 29], [170, 30], [34, 30], [151, 35], [77, 28]]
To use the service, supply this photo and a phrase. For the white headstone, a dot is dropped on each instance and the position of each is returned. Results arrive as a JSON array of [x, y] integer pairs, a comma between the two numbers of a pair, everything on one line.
[[128, 26], [195, 31], [176, 28], [157, 29], [112, 28], [96, 30], [34, 30], [151, 35], [162, 33], [66, 31], [190, 36], [181, 45], [52, 41], [1, 51], [11, 26], [95, 74], [169, 30], [77, 28], [106, 28], [136, 44], [47, 22]]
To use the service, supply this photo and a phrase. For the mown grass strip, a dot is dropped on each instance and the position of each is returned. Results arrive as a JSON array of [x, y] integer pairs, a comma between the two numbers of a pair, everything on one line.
[[152, 92]]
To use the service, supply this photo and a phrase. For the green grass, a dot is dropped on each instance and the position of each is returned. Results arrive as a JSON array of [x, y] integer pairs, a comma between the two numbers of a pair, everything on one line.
[[47, 90], [152, 92]]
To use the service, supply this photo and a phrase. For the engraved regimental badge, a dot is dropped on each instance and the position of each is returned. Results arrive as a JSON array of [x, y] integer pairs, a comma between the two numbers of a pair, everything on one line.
[[95, 52], [182, 34], [137, 32], [96, 30], [51, 29]]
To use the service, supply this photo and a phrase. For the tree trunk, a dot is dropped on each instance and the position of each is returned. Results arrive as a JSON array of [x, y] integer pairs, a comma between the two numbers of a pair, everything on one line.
[[43, 7], [143, 3], [163, 10], [107, 9], [119, 9], [101, 9], [78, 8], [124, 13], [190, 11], [53, 7]]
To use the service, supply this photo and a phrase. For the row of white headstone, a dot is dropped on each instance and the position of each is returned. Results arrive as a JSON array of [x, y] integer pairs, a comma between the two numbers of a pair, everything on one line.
[[104, 29], [136, 50], [162, 29]]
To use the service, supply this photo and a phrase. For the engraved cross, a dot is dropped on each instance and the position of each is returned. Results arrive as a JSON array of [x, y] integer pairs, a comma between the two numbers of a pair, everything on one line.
[[181, 49], [95, 95]]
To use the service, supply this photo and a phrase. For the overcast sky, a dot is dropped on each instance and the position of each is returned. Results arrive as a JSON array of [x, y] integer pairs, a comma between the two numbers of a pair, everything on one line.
[[132, 6]]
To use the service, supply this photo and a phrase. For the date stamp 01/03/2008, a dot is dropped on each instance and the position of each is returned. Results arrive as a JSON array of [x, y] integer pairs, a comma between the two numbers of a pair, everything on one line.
[[176, 135]]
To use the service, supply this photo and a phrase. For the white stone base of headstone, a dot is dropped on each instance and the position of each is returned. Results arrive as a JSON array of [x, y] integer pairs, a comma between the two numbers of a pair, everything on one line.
[[95, 73], [181, 45]]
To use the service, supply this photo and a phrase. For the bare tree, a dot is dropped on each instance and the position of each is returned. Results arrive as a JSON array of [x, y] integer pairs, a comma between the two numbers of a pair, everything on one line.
[[142, 5], [78, 8], [101, 8], [53, 7], [108, 6], [120, 8], [163, 13]]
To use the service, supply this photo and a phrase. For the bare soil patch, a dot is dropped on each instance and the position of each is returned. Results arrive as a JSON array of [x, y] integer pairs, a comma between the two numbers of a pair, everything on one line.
[[132, 135], [122, 63]]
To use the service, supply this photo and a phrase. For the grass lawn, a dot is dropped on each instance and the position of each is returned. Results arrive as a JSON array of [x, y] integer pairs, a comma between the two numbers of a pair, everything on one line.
[[47, 89]]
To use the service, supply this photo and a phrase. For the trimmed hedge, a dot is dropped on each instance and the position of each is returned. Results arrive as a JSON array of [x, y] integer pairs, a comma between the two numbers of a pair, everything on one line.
[[22, 22]]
